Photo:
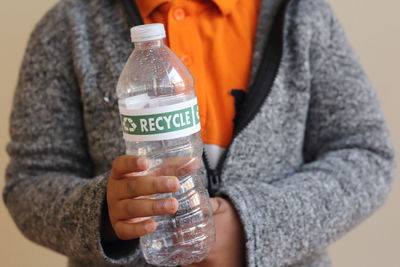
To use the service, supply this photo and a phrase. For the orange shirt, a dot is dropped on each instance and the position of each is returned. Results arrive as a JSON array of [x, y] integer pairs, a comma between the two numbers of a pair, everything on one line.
[[214, 38]]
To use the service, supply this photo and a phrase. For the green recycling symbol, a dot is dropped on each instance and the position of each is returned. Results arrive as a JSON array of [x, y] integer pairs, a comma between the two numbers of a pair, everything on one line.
[[129, 125]]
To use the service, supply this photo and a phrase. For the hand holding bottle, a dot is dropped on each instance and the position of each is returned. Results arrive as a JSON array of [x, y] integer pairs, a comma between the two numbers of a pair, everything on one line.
[[230, 248], [129, 188], [128, 211]]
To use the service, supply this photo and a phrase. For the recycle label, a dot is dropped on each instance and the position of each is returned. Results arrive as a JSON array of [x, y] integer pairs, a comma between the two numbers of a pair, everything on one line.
[[162, 123]]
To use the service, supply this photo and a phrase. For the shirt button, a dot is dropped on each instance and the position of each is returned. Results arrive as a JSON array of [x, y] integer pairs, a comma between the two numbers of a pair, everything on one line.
[[186, 59], [179, 14]]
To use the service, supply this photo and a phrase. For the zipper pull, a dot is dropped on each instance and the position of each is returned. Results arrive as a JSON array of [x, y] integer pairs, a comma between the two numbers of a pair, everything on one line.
[[214, 182]]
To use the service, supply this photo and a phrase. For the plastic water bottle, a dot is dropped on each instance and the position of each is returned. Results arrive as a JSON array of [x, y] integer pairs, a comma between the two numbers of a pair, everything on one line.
[[160, 121]]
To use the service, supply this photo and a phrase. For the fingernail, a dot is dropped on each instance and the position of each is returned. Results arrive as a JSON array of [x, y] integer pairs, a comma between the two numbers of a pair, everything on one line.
[[150, 227], [170, 183], [169, 204], [141, 162]]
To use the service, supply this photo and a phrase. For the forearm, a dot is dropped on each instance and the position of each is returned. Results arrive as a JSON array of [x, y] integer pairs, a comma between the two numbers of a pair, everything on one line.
[[57, 210], [66, 214]]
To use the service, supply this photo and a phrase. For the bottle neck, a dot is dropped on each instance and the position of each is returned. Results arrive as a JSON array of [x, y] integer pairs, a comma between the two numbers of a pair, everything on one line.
[[149, 44]]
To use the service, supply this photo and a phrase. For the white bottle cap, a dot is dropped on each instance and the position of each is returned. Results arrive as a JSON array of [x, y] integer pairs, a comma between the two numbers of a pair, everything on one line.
[[147, 32]]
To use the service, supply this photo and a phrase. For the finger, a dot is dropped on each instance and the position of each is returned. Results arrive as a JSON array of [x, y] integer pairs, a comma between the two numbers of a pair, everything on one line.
[[125, 230], [127, 164], [135, 208], [145, 185]]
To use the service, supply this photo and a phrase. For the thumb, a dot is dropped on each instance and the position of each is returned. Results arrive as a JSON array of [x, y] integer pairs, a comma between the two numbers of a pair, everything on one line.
[[216, 204]]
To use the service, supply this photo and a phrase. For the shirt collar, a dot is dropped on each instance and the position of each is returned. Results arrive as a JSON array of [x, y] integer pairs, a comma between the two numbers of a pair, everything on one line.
[[226, 6], [147, 6]]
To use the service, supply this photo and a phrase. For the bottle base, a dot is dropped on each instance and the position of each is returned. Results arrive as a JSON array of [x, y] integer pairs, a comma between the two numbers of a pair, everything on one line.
[[178, 259]]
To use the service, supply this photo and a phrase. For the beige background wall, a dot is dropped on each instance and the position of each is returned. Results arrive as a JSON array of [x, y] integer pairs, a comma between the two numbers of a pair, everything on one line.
[[375, 33]]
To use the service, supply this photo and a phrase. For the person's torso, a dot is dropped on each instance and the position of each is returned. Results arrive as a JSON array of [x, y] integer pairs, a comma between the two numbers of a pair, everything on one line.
[[271, 141], [267, 147]]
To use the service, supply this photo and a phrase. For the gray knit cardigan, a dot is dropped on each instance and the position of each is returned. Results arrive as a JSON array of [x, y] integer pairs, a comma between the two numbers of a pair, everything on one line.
[[314, 162]]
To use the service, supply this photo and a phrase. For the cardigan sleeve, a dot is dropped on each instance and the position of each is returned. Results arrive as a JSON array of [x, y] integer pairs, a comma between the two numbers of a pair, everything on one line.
[[348, 168], [51, 192]]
